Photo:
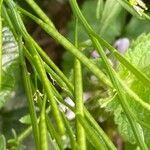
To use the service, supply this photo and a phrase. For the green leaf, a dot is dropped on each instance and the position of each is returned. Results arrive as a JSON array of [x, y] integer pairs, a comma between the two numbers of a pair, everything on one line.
[[138, 54], [25, 119], [113, 14], [9, 65], [2, 142]]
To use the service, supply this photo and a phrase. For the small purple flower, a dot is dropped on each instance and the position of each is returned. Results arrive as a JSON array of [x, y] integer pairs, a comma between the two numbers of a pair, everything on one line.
[[95, 54], [122, 45]]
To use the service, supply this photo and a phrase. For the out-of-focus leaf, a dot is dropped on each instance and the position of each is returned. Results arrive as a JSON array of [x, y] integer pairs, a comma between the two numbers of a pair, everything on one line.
[[25, 119], [112, 21], [91, 18], [136, 27], [139, 56], [109, 25], [2, 142], [9, 65], [99, 9], [10, 120]]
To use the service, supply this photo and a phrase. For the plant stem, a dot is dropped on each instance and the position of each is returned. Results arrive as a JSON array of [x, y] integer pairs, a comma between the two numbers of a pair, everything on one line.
[[70, 132], [8, 20], [78, 94], [39, 67], [40, 12], [52, 65], [99, 130], [71, 48], [38, 63], [89, 117], [92, 134], [1, 41], [43, 127], [29, 94]]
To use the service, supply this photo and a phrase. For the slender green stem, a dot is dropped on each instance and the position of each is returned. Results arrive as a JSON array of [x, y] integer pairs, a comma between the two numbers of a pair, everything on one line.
[[1, 2], [70, 132], [50, 94], [43, 127], [40, 12], [29, 94], [50, 126], [99, 8], [52, 65], [99, 130], [91, 134], [53, 133], [24, 134], [8, 20], [142, 77], [78, 94], [50, 71]]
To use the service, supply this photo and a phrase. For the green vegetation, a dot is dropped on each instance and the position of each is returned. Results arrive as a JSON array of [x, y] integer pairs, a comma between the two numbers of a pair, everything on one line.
[[101, 95]]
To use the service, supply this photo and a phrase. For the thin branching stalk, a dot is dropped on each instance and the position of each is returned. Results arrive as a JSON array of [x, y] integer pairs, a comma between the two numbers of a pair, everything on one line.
[[50, 127], [78, 94], [8, 20], [53, 133], [50, 63]]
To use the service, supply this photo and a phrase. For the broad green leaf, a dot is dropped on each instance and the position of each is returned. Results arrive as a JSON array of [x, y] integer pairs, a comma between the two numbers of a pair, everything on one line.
[[139, 55], [9, 65], [2, 142]]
